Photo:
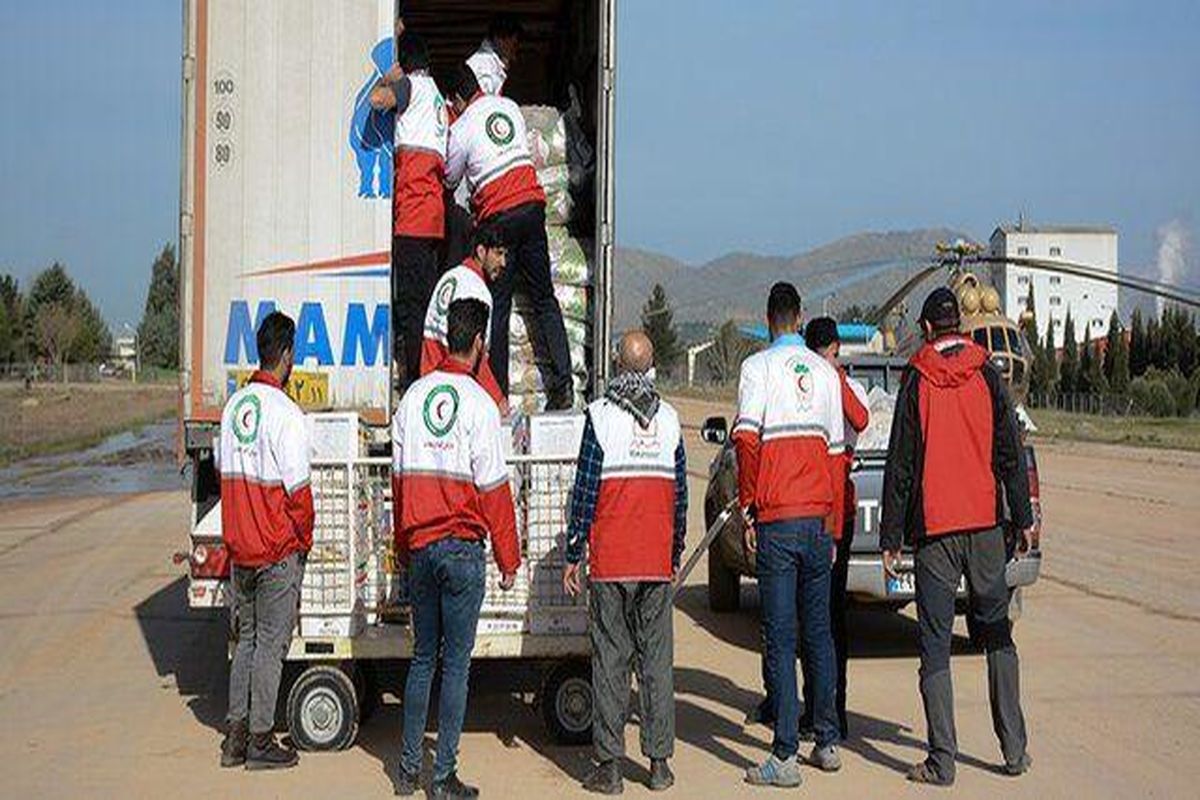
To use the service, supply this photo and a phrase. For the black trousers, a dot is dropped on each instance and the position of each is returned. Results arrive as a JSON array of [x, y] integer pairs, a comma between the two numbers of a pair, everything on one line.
[[524, 232], [837, 621], [415, 271]]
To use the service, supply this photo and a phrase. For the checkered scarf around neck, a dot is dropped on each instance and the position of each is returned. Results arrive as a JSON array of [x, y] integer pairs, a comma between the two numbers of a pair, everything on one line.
[[634, 392]]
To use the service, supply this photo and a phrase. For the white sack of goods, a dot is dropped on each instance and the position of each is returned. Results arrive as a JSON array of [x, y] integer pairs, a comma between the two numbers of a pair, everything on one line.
[[881, 406], [546, 134], [556, 182], [568, 258]]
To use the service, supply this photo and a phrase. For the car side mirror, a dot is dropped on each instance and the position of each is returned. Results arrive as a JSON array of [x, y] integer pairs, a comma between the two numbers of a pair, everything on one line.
[[714, 430]]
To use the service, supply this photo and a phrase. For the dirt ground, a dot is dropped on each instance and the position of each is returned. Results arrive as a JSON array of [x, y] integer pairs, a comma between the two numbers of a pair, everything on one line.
[[110, 686], [49, 417]]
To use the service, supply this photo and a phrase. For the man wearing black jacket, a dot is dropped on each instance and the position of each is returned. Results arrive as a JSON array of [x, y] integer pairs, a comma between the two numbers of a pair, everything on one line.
[[955, 463]]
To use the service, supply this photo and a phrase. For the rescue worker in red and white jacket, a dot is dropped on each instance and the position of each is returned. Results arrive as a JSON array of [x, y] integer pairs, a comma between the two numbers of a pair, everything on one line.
[[469, 279], [496, 54], [955, 470], [450, 493], [488, 147], [821, 336], [629, 507], [267, 526], [418, 206], [788, 430]]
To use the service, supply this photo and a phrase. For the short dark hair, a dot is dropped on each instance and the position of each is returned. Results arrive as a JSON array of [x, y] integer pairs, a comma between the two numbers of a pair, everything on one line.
[[276, 334], [411, 52], [488, 237], [783, 304], [464, 84], [466, 319], [820, 332], [505, 25], [940, 310]]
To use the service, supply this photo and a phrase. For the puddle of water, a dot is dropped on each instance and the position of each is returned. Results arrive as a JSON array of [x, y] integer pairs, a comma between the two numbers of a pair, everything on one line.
[[135, 461]]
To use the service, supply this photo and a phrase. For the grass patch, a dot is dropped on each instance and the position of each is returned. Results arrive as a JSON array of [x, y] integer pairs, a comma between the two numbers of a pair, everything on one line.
[[1170, 433], [53, 418]]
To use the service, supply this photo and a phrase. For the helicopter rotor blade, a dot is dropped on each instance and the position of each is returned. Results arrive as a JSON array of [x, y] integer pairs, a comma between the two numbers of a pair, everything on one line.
[[885, 308], [1164, 290]]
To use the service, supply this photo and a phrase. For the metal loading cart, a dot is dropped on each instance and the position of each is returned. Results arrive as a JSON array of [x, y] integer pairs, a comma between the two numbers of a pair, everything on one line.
[[353, 636]]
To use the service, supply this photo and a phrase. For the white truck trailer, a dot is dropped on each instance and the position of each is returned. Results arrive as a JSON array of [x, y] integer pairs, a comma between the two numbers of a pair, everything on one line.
[[286, 204]]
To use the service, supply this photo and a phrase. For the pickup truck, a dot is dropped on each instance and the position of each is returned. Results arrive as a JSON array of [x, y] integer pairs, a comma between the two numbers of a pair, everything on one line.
[[728, 559]]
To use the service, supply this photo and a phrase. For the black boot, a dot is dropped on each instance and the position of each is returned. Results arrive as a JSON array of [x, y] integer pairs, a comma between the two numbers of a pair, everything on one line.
[[265, 753], [406, 784], [605, 779], [661, 777], [452, 789], [233, 749]]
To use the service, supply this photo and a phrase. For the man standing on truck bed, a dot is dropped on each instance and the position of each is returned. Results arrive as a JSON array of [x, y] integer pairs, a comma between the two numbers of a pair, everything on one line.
[[789, 426], [449, 491], [496, 54], [267, 525], [418, 209], [469, 279], [488, 147], [629, 508], [955, 461]]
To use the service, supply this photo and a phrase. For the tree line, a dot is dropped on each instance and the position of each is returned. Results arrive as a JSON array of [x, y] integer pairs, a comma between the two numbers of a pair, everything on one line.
[[1152, 367], [55, 322]]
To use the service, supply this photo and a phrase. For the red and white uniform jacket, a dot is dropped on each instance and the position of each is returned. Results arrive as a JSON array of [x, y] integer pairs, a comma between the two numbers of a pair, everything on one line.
[[422, 130], [488, 148], [448, 472], [854, 408], [789, 428], [266, 501], [488, 67], [465, 281], [633, 532]]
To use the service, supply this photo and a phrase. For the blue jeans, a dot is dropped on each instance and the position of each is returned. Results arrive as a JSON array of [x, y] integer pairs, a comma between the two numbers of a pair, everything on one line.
[[794, 566], [446, 585]]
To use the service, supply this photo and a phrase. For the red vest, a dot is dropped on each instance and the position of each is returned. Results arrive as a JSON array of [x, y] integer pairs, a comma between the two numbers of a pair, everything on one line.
[[634, 527]]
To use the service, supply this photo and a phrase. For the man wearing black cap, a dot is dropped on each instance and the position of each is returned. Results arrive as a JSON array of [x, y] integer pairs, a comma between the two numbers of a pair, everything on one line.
[[955, 463]]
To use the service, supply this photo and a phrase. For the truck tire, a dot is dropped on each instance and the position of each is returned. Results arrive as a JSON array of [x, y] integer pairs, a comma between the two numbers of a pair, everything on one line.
[[568, 702], [724, 584], [323, 709]]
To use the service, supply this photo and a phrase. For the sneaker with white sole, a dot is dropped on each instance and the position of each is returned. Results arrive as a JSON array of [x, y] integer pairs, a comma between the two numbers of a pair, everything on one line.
[[784, 773], [825, 758]]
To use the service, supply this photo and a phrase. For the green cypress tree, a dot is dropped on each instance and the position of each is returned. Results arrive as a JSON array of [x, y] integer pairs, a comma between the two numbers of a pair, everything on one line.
[[658, 323], [1138, 360], [1068, 368]]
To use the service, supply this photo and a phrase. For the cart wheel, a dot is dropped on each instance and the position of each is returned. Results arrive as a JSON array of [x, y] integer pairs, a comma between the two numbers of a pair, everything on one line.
[[323, 709], [567, 703]]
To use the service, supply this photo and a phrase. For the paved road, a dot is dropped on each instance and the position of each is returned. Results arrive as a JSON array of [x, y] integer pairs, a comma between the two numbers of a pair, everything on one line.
[[109, 686]]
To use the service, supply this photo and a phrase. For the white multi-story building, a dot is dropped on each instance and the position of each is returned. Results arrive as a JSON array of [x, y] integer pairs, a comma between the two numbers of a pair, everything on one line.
[[1090, 302]]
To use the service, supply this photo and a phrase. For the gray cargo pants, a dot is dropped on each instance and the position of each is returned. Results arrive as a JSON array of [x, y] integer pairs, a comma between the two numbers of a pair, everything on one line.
[[940, 563], [265, 603], [631, 627]]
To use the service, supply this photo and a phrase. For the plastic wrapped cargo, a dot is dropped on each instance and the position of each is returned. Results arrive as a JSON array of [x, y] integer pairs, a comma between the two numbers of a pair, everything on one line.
[[882, 406], [568, 257], [546, 134], [556, 182]]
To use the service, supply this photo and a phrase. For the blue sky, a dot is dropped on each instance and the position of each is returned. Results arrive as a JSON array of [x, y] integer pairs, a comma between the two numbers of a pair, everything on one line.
[[765, 126]]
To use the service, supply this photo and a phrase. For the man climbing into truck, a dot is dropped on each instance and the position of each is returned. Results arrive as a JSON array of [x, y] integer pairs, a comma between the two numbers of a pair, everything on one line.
[[418, 209], [469, 279], [488, 147]]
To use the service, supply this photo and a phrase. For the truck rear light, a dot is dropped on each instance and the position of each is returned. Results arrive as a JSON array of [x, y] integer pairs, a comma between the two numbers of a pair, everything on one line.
[[210, 560]]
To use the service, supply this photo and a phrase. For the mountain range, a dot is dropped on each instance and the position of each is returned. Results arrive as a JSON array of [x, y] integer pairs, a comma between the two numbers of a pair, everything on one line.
[[862, 269]]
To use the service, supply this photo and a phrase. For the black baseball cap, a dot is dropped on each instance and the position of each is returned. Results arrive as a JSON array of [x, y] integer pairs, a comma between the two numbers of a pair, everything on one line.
[[821, 332], [940, 308]]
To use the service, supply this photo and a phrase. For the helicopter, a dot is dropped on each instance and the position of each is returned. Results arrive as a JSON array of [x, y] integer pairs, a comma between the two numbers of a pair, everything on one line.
[[983, 318]]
